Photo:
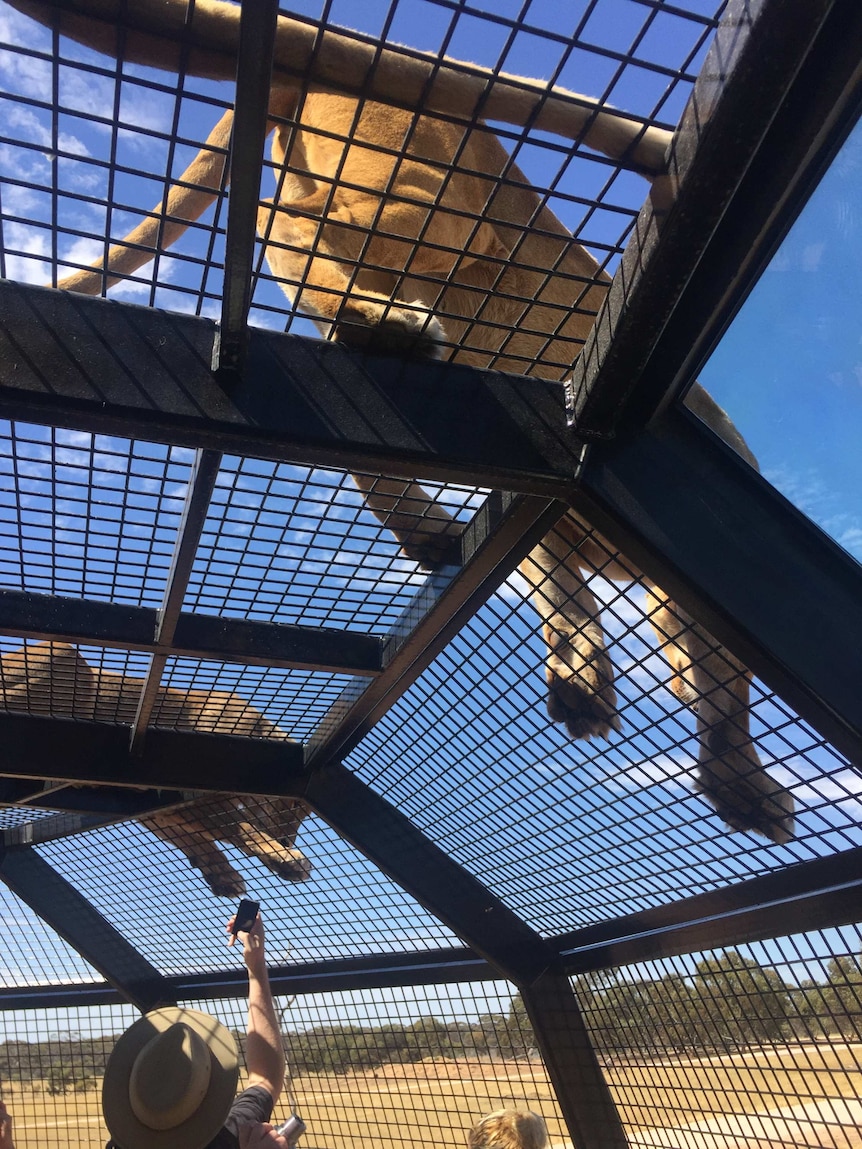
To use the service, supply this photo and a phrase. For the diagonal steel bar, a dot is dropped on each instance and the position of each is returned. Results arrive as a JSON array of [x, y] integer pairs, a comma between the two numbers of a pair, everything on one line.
[[581, 1088], [819, 894], [78, 922], [495, 541], [69, 360], [198, 494]]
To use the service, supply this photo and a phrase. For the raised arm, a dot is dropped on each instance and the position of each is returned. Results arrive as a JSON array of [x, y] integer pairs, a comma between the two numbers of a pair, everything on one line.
[[264, 1050]]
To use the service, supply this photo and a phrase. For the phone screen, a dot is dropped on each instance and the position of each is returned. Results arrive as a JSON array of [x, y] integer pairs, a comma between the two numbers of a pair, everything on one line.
[[245, 914]]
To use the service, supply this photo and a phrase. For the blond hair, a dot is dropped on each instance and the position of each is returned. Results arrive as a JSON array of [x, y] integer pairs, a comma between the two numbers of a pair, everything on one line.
[[509, 1129]]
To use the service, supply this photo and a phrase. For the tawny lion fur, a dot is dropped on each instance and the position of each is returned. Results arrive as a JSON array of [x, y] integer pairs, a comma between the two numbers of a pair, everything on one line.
[[52, 678], [374, 235]]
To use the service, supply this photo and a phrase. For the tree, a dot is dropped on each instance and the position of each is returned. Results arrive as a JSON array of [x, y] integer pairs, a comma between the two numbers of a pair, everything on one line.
[[843, 995], [741, 1001]]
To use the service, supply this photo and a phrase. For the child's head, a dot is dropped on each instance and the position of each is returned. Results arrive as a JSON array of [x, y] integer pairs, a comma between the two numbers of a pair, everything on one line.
[[509, 1129]]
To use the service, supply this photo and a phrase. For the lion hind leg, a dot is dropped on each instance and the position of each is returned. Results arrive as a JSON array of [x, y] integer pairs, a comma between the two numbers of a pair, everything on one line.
[[708, 678], [426, 532], [282, 860], [578, 671]]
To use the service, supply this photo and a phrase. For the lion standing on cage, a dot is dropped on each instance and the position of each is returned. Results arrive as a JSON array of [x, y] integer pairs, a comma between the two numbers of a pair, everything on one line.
[[409, 232]]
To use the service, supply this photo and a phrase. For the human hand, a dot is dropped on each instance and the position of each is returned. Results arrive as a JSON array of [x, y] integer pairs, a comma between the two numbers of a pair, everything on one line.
[[260, 1135], [6, 1141], [253, 947]]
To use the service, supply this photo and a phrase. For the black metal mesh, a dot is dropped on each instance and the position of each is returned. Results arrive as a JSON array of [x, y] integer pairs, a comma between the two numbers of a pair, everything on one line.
[[88, 516], [298, 545], [564, 831], [94, 185], [346, 909], [393, 1066], [469, 754], [743, 1046], [33, 954]]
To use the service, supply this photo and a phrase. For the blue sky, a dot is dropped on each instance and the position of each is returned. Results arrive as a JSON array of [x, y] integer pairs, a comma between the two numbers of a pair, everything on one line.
[[789, 369], [544, 820]]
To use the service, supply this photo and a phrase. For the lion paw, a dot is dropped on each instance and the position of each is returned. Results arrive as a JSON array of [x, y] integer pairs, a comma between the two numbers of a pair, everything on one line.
[[293, 866], [433, 543], [583, 714], [581, 695], [742, 793], [387, 329], [226, 884]]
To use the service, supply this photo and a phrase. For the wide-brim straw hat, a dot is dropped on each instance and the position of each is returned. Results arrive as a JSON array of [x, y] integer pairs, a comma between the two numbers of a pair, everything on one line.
[[170, 1081]]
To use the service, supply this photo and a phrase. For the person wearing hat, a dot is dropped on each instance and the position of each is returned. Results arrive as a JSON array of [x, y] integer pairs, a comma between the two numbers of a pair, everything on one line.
[[170, 1082], [6, 1141]]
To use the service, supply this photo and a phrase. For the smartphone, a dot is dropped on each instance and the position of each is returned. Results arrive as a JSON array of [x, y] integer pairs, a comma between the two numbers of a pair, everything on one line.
[[246, 912]]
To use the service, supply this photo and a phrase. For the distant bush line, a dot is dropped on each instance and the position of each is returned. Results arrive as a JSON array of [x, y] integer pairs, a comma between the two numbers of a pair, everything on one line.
[[729, 1002]]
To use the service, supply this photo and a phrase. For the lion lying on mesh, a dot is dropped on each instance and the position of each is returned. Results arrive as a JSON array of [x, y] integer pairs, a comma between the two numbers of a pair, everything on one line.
[[375, 237], [52, 678]]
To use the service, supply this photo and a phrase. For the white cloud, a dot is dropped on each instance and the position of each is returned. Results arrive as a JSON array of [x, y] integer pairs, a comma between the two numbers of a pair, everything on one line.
[[24, 123], [33, 264], [809, 491], [87, 93], [673, 770]]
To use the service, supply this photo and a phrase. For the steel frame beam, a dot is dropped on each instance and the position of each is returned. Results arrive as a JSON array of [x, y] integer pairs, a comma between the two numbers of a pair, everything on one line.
[[389, 839], [199, 491], [94, 365], [27, 615], [373, 971], [383, 834], [253, 86], [581, 1087], [98, 754], [818, 894]]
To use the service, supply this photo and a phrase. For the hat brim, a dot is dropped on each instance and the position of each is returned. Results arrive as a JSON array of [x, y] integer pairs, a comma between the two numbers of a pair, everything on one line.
[[195, 1133]]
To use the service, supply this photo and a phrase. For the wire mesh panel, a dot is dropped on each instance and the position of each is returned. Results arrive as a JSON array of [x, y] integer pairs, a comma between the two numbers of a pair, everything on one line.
[[345, 909], [52, 1062], [118, 135], [395, 1067], [403, 1067], [32, 953], [299, 545], [745, 1046], [88, 516], [627, 768]]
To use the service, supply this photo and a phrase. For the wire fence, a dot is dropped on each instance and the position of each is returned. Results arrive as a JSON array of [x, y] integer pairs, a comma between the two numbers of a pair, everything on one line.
[[579, 745]]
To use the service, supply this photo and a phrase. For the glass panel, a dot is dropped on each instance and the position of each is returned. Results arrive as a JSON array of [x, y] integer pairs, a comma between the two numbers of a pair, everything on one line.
[[789, 369]]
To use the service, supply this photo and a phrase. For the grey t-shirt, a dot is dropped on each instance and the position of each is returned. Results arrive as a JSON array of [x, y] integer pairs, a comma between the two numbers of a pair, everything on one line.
[[254, 1104]]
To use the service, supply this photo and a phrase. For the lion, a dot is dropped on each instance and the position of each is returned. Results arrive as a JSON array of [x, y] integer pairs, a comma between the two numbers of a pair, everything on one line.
[[403, 231], [52, 678]]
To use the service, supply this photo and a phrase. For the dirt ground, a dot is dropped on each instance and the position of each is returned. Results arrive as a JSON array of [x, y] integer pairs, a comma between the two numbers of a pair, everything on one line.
[[689, 1100]]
